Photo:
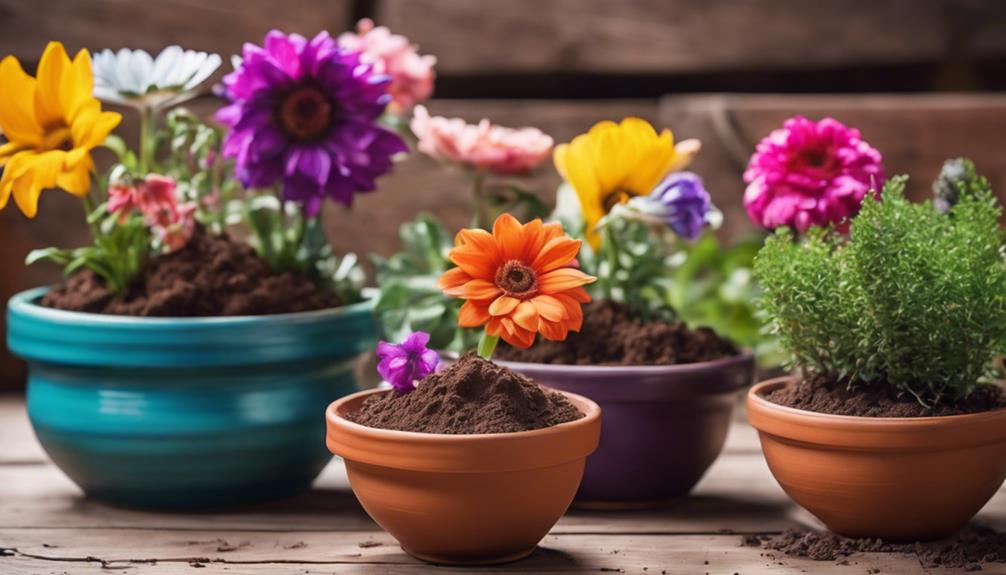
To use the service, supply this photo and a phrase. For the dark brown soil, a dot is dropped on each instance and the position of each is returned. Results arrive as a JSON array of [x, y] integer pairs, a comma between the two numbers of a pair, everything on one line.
[[612, 335], [471, 396], [823, 395], [211, 276], [971, 549]]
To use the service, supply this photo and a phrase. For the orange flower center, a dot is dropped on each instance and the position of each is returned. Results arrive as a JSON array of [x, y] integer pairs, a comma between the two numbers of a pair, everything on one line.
[[305, 113], [615, 197], [517, 279]]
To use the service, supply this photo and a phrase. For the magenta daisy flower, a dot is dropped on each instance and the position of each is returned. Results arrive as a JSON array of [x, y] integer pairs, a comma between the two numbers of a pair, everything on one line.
[[304, 113], [810, 174]]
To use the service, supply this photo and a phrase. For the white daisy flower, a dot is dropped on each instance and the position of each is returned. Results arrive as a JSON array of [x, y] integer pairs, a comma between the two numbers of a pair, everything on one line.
[[135, 78]]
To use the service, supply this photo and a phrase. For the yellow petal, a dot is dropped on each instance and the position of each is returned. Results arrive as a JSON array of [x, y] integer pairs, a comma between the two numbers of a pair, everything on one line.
[[76, 180], [90, 130], [17, 104], [42, 173], [51, 67], [76, 87]]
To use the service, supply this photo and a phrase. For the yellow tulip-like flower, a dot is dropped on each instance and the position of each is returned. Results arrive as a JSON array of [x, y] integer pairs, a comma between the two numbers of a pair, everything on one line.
[[51, 123], [614, 162]]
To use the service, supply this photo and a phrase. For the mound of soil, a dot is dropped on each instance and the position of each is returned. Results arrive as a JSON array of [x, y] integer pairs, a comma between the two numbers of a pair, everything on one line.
[[823, 395], [211, 276], [471, 396], [971, 549], [612, 335]]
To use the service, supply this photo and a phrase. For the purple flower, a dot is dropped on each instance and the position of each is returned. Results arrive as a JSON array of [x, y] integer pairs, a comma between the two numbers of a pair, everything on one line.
[[405, 363], [682, 202], [305, 112]]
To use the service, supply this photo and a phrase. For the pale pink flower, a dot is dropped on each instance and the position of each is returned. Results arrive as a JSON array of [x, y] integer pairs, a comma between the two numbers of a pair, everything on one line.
[[810, 174], [155, 199], [411, 74], [175, 232], [481, 147]]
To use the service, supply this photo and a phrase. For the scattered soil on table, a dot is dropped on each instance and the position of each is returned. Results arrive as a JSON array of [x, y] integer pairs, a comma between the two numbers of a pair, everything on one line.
[[213, 275], [823, 395], [971, 549], [612, 335], [471, 396]]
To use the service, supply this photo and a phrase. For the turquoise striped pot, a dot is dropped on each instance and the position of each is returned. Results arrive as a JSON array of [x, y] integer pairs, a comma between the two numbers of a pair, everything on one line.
[[186, 412]]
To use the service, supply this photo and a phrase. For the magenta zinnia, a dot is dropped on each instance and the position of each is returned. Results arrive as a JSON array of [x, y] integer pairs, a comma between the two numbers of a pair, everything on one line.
[[304, 112], [810, 174]]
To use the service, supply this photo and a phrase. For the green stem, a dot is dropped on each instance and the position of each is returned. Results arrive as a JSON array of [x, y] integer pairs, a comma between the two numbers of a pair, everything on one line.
[[487, 345], [478, 197], [88, 210], [148, 125]]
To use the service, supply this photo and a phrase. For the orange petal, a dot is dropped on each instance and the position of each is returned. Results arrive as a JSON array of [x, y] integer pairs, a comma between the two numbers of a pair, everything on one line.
[[472, 315], [494, 327], [555, 331], [552, 230], [452, 278], [521, 338], [526, 316], [578, 294], [534, 239], [503, 305], [509, 327], [479, 289], [475, 264], [479, 241], [550, 308], [509, 235], [572, 311], [557, 253], [563, 279]]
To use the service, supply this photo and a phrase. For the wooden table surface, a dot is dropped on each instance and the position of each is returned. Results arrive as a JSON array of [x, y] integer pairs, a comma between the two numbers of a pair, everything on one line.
[[48, 527]]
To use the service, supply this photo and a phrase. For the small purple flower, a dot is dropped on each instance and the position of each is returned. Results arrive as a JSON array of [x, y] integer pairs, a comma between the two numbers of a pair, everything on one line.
[[405, 363], [305, 112], [682, 202]]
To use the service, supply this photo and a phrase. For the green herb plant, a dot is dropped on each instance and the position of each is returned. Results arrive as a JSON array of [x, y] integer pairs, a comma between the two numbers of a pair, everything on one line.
[[915, 298]]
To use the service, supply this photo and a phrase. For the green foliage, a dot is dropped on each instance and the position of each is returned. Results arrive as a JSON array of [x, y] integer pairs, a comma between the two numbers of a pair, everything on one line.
[[409, 298], [915, 298]]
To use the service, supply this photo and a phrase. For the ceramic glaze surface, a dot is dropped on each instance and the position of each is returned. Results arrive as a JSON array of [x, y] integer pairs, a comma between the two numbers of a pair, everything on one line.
[[663, 426], [186, 412]]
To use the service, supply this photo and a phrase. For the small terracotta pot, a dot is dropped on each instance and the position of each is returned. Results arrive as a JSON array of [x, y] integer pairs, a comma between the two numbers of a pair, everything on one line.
[[664, 425], [898, 478], [464, 499]]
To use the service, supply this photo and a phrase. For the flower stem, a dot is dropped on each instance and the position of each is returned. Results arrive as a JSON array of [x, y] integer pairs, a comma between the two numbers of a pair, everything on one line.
[[88, 210], [487, 345], [478, 197], [148, 124]]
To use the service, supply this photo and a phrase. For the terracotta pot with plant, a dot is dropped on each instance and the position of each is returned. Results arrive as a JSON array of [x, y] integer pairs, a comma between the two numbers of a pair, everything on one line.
[[474, 464], [892, 425], [178, 366]]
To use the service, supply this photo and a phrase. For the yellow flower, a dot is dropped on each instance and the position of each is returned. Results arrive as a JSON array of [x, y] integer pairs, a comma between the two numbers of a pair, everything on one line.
[[614, 162], [51, 123]]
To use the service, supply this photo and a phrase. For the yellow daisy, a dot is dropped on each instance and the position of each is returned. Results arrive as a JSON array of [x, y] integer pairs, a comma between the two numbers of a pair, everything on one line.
[[614, 162], [51, 123]]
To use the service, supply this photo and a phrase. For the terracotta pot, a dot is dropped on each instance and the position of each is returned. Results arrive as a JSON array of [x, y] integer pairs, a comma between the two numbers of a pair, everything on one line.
[[898, 478], [663, 425], [464, 499]]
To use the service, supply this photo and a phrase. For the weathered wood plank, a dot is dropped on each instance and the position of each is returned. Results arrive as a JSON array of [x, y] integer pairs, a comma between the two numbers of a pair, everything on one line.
[[915, 134], [300, 552], [17, 441], [220, 26], [668, 36]]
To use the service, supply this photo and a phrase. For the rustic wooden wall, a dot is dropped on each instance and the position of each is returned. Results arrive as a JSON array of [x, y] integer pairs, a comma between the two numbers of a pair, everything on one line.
[[561, 65]]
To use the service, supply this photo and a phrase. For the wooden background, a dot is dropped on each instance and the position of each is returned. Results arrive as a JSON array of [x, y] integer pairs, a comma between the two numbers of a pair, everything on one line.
[[920, 78]]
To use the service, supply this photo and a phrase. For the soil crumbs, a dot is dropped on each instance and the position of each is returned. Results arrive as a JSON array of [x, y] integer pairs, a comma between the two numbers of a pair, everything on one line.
[[471, 396], [213, 275], [823, 395], [973, 548], [612, 335]]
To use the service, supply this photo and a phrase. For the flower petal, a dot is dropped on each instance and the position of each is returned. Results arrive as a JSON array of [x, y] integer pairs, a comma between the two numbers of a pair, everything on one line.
[[509, 236], [549, 307], [480, 289], [526, 316], [563, 279], [503, 305], [473, 315], [452, 278], [557, 253]]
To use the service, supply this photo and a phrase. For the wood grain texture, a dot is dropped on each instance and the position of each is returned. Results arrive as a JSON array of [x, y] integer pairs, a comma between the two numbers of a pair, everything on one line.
[[673, 36], [220, 26]]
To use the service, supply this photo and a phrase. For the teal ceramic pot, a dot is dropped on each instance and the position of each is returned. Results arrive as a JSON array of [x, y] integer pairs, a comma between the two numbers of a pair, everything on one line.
[[186, 412]]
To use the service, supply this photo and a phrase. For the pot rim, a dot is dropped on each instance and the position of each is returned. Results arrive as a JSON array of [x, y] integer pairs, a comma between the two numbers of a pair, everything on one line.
[[25, 303], [746, 355], [871, 433], [441, 452]]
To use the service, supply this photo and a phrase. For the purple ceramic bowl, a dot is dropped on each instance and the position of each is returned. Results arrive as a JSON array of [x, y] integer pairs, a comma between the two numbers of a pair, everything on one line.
[[661, 426]]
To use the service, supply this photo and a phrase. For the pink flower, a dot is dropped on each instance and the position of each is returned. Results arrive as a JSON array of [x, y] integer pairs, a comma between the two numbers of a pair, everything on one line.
[[484, 146], [392, 54], [810, 173], [154, 197]]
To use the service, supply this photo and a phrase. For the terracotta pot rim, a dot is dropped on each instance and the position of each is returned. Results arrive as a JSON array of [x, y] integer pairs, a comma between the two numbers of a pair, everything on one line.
[[744, 356], [915, 433], [25, 303], [445, 452]]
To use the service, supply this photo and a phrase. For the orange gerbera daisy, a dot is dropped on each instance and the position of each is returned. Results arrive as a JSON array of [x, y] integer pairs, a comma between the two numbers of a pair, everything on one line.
[[518, 281]]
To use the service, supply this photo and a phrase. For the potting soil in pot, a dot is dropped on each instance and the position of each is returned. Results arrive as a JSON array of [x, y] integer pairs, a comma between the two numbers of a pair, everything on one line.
[[970, 549], [471, 396], [213, 275], [822, 395], [612, 335]]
